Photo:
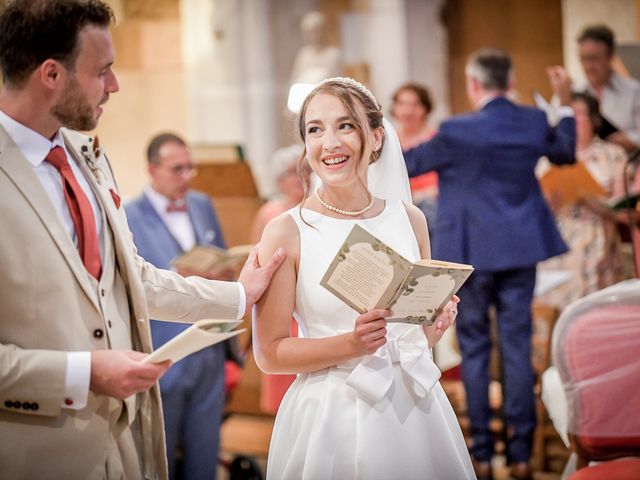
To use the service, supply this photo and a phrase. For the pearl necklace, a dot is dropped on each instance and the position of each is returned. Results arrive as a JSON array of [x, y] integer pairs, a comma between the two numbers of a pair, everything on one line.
[[348, 213]]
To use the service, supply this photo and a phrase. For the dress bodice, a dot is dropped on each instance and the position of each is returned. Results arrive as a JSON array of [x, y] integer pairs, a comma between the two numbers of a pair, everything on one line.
[[318, 312]]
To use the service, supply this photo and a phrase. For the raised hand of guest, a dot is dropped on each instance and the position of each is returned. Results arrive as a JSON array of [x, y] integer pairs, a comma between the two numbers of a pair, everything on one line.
[[560, 82]]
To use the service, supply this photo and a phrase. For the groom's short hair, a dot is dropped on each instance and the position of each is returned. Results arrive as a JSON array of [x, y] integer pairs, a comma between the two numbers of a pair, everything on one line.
[[33, 31]]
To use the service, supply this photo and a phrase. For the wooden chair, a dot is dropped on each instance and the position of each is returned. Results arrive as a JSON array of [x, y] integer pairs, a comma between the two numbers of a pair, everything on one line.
[[549, 452]]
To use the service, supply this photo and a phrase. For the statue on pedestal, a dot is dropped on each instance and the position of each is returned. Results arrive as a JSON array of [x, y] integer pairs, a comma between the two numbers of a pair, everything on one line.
[[317, 59]]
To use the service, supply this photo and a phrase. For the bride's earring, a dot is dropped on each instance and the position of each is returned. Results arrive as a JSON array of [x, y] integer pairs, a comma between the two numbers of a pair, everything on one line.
[[375, 154]]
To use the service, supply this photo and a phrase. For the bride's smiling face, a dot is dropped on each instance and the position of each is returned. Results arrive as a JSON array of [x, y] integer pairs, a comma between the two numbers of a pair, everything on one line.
[[333, 143]]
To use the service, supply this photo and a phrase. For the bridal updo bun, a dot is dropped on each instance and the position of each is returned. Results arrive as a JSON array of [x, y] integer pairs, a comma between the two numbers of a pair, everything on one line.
[[357, 99]]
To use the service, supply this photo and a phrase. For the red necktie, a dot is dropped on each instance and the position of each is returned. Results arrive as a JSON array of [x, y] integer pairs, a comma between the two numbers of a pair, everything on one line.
[[81, 212]]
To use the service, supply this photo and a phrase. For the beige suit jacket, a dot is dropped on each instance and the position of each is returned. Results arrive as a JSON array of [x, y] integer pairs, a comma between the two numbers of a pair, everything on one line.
[[49, 307]]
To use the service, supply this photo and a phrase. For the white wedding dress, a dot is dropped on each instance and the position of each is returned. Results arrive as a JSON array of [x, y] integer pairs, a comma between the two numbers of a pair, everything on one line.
[[380, 417]]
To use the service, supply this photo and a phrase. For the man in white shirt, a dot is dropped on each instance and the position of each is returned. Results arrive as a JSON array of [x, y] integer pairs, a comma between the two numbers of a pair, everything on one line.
[[76, 400], [619, 97]]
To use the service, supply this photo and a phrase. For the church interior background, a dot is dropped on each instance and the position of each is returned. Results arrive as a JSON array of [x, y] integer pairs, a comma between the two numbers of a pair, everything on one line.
[[218, 72]]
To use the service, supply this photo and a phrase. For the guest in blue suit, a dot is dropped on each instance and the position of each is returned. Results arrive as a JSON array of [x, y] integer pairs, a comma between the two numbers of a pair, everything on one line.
[[166, 220], [492, 214]]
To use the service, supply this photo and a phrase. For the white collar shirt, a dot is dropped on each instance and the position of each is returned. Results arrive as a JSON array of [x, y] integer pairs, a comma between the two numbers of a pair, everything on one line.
[[178, 223], [620, 104]]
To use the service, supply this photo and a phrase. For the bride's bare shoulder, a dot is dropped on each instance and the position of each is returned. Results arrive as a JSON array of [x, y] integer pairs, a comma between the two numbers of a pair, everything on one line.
[[283, 232]]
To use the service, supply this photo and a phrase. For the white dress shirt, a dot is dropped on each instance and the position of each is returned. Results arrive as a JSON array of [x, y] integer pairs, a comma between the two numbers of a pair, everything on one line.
[[35, 148], [178, 223], [620, 104]]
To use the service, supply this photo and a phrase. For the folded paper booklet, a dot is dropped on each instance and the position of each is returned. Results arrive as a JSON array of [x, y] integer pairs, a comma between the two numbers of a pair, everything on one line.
[[207, 258], [367, 274], [199, 335], [568, 184]]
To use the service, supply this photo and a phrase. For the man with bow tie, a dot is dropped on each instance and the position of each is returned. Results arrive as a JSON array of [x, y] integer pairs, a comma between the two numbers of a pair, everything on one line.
[[76, 400], [166, 220]]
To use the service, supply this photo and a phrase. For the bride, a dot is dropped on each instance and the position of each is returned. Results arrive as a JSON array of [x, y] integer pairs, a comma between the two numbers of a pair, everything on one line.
[[366, 403]]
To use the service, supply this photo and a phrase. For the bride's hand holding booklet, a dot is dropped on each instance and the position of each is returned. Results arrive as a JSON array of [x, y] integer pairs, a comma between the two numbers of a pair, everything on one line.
[[199, 335], [366, 273]]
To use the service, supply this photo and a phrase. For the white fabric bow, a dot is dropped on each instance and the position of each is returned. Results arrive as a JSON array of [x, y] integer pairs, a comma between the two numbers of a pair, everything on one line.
[[373, 375]]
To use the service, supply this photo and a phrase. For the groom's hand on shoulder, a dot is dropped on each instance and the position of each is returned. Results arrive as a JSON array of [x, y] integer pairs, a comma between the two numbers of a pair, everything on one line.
[[255, 278]]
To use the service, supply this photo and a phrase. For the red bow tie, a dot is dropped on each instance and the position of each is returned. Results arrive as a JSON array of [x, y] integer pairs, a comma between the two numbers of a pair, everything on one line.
[[176, 207]]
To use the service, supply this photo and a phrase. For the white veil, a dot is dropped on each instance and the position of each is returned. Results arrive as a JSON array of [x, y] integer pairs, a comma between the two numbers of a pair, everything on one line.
[[388, 178]]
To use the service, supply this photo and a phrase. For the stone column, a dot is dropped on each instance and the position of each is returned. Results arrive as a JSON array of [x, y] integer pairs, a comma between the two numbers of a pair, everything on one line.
[[227, 52]]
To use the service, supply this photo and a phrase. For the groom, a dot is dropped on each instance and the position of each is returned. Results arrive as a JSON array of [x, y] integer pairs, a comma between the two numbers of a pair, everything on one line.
[[77, 402]]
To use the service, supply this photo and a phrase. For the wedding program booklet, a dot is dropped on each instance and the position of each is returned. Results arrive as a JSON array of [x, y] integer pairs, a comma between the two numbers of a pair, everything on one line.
[[367, 274], [199, 335], [207, 258]]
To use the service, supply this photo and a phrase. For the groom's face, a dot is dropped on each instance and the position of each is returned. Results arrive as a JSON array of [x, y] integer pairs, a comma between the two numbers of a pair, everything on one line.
[[88, 82]]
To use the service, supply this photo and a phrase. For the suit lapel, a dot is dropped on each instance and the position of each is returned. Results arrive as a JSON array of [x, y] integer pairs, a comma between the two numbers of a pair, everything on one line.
[[98, 181], [101, 181], [205, 232], [17, 168]]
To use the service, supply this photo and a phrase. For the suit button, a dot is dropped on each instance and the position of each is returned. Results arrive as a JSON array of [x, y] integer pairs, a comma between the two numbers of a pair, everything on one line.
[[98, 333], [8, 404], [17, 404], [35, 406], [26, 406]]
